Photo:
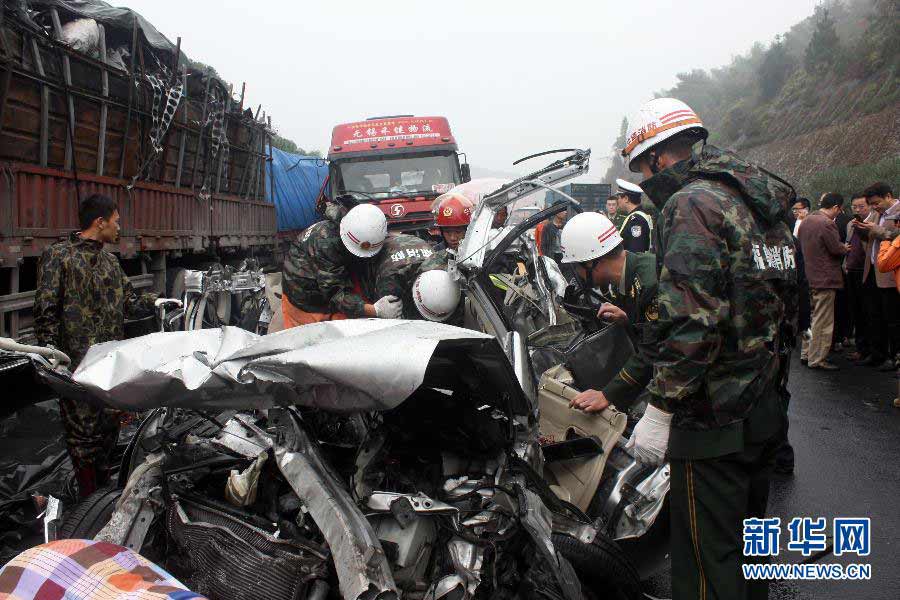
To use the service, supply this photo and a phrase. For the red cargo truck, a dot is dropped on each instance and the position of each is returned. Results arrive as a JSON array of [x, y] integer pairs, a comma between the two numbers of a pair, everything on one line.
[[401, 164], [169, 142]]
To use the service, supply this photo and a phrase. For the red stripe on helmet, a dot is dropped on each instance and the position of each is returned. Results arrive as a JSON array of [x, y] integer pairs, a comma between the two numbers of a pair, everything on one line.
[[683, 111], [607, 234]]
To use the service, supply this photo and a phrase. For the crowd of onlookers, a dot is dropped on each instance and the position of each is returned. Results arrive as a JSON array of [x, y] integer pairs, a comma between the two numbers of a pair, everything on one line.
[[849, 279]]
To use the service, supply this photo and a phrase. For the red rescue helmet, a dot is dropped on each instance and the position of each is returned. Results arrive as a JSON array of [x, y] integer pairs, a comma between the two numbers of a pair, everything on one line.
[[453, 210]]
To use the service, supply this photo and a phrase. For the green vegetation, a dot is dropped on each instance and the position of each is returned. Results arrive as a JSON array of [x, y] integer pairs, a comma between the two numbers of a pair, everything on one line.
[[842, 61], [287, 145], [851, 180]]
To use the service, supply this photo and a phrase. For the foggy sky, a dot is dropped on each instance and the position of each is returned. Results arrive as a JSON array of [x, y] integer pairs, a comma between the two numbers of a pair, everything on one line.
[[514, 78]]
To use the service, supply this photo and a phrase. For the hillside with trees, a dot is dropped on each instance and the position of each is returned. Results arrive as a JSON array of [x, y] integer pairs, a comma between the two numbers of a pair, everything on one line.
[[820, 104]]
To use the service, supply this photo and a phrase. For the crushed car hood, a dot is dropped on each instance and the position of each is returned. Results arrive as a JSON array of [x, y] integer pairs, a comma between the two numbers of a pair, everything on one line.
[[344, 366]]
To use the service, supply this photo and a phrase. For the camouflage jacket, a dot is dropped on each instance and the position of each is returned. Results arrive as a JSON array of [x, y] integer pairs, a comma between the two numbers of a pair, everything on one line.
[[438, 260], [83, 297], [727, 285], [317, 272], [394, 270], [636, 294]]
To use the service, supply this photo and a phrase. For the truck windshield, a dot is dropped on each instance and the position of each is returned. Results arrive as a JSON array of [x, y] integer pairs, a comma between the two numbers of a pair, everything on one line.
[[400, 175]]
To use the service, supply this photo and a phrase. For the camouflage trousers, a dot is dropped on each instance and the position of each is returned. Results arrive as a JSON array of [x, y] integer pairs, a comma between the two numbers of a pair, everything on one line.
[[90, 432]]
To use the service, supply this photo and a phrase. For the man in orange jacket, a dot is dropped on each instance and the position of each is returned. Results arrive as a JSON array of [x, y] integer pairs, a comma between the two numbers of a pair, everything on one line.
[[888, 261]]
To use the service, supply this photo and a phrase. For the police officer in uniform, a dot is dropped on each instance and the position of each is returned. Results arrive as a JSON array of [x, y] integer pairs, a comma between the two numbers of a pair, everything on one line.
[[727, 293], [637, 226], [591, 243]]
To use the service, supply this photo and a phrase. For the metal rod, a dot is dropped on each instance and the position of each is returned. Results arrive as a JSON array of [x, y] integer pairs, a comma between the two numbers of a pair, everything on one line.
[[200, 133], [130, 96], [177, 60], [271, 160], [184, 131], [221, 156], [240, 190], [14, 289], [252, 156], [104, 82], [67, 77], [45, 104], [259, 163]]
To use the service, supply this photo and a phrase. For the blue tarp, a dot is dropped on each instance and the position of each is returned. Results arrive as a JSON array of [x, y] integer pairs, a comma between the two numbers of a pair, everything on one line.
[[298, 180]]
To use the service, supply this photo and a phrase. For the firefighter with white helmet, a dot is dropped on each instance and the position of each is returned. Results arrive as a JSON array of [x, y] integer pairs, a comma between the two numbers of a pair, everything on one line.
[[436, 295], [591, 243], [727, 292], [318, 284], [656, 122]]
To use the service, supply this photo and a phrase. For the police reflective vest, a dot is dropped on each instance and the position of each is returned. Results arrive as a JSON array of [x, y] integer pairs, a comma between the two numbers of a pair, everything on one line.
[[637, 232]]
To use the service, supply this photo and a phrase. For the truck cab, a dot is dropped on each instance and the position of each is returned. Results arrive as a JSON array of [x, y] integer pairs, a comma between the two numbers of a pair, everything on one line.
[[400, 164]]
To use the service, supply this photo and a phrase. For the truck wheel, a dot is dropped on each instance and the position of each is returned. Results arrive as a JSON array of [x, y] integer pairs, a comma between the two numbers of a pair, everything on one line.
[[90, 515], [175, 283], [602, 567]]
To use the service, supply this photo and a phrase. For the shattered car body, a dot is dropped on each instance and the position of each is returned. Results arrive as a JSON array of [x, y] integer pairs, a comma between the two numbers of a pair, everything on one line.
[[622, 497], [410, 473]]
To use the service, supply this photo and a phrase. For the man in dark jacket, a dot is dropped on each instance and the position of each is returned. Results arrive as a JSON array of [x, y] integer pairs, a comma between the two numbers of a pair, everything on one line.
[[727, 289], [82, 299], [853, 267], [823, 253]]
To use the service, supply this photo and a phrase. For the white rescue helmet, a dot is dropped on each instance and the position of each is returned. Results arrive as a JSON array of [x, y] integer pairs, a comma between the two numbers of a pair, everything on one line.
[[587, 236], [657, 121], [363, 230], [436, 295]]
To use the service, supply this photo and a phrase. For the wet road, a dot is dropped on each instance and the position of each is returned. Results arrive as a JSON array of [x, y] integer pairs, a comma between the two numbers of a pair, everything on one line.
[[846, 437]]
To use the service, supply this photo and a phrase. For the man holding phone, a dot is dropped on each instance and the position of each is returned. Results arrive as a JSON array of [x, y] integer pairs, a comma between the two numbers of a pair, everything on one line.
[[853, 267], [880, 292]]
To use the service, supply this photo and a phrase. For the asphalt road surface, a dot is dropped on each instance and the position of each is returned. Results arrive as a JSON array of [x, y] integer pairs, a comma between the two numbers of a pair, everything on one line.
[[846, 438]]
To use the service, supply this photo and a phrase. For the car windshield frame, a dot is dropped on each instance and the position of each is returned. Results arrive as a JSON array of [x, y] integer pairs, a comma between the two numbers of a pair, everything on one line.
[[387, 176]]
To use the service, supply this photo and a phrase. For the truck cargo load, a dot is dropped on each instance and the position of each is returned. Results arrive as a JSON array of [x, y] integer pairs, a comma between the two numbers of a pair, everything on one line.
[[93, 99], [296, 183]]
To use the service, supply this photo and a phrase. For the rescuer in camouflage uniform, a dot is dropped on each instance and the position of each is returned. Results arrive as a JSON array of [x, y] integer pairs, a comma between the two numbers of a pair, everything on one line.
[[82, 299], [727, 300], [394, 270], [322, 270], [632, 279]]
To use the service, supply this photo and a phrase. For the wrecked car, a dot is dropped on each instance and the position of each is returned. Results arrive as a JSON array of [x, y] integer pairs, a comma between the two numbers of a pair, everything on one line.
[[320, 460], [554, 324]]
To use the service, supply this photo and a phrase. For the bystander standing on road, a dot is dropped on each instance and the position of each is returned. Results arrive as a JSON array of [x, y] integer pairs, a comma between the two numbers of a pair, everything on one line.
[[854, 264], [889, 262], [823, 253], [843, 321], [881, 302]]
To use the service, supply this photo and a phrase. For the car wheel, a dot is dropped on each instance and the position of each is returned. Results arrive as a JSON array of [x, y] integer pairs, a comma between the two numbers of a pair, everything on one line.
[[601, 566], [90, 515]]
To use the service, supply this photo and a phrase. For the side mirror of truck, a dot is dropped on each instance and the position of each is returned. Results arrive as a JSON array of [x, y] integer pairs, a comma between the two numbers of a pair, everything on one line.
[[465, 172]]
